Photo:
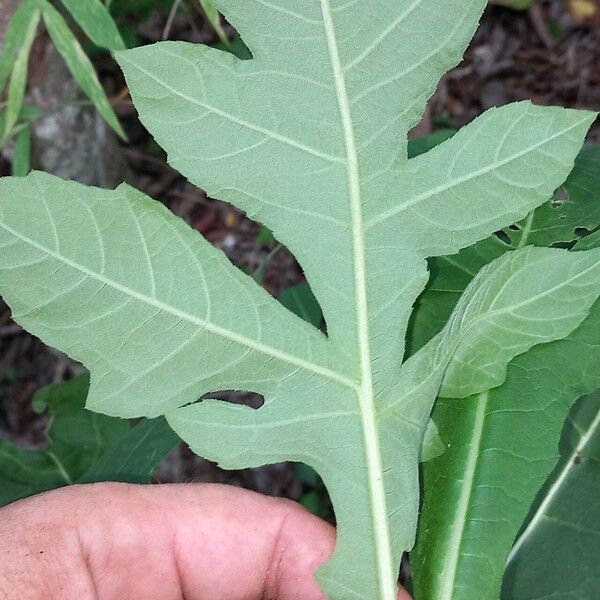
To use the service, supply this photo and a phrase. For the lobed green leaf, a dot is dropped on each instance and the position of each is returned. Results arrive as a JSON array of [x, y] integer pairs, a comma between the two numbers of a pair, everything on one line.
[[309, 138]]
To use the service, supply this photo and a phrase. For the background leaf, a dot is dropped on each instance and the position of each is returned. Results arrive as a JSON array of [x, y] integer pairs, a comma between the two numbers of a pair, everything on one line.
[[95, 20], [18, 78], [535, 295], [501, 444], [557, 554], [79, 65], [83, 447], [433, 445], [22, 158], [573, 212], [302, 302], [15, 34], [419, 146], [214, 18], [515, 4]]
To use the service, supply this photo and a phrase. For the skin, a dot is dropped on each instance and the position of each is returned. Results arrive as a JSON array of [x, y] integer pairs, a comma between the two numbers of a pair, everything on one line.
[[167, 542]]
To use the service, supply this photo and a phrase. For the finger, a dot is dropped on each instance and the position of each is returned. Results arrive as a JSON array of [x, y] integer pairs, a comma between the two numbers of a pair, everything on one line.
[[202, 542]]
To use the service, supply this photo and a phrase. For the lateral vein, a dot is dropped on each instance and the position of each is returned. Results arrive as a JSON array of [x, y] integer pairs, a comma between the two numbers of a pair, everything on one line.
[[465, 178]]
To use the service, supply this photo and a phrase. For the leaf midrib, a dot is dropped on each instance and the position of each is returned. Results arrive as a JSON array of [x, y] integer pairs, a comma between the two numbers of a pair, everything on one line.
[[454, 540], [211, 327], [379, 512]]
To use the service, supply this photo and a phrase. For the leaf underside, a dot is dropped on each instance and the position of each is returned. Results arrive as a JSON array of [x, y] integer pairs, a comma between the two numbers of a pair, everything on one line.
[[309, 138]]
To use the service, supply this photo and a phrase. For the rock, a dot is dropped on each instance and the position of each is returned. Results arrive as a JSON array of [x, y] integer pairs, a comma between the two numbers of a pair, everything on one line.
[[70, 139]]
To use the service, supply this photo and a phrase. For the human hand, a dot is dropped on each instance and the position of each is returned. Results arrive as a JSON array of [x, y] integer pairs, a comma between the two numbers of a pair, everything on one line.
[[198, 542]]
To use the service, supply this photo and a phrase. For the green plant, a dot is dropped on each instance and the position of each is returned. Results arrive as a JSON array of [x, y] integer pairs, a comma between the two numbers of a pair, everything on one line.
[[214, 18], [94, 20], [557, 552], [515, 4], [503, 443], [83, 447], [310, 139]]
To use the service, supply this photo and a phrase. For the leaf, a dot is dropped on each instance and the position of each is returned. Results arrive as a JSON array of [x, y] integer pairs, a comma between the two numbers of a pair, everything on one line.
[[18, 78], [433, 445], [237, 47], [449, 276], [310, 139], [83, 447], [264, 237], [79, 65], [15, 35], [501, 444], [300, 300], [557, 554], [422, 145], [536, 295], [133, 457], [515, 4], [574, 210], [553, 223], [22, 157], [588, 242], [214, 18], [95, 20]]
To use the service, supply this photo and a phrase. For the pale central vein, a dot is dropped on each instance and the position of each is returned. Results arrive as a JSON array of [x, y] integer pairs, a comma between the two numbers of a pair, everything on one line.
[[383, 547], [448, 575], [195, 320]]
